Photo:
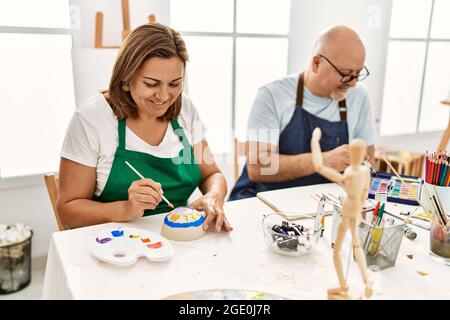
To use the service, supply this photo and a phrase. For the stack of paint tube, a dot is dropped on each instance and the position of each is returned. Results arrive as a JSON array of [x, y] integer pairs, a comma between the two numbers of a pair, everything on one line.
[[290, 238]]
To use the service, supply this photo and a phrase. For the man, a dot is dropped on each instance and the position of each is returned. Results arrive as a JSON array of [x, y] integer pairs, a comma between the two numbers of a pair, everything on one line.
[[286, 111]]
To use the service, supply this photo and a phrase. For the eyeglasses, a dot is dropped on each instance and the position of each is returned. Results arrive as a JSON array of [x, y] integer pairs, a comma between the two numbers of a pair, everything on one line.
[[346, 78]]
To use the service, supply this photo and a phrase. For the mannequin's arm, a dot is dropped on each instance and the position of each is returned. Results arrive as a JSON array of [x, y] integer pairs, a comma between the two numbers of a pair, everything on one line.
[[327, 172]]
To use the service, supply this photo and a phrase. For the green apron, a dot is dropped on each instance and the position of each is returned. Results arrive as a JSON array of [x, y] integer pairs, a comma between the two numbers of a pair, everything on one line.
[[178, 176]]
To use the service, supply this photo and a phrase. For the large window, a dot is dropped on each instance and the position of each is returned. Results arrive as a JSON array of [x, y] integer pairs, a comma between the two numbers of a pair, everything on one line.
[[36, 84], [235, 46], [417, 67]]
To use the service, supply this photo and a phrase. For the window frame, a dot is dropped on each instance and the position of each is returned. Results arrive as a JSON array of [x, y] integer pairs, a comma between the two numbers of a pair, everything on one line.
[[32, 179], [427, 40], [234, 35]]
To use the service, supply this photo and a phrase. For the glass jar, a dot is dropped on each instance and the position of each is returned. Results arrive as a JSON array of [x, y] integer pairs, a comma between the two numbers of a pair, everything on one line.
[[440, 241]]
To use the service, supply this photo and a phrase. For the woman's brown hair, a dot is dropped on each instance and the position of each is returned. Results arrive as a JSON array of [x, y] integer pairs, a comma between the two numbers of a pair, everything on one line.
[[145, 42]]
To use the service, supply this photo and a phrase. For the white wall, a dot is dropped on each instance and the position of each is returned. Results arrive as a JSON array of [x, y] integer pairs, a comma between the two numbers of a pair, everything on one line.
[[92, 69], [29, 205]]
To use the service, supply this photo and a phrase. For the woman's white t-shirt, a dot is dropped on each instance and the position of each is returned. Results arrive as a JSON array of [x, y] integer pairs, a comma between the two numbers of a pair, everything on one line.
[[92, 136]]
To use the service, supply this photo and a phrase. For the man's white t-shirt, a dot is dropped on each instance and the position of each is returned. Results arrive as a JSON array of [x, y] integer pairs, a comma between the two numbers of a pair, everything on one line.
[[92, 136]]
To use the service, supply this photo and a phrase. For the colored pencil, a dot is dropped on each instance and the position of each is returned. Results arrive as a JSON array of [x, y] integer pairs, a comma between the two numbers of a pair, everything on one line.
[[443, 174], [436, 171], [431, 170], [439, 172], [437, 168]]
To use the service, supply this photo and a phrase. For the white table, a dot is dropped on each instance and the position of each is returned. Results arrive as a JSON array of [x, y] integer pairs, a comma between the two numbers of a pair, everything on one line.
[[239, 260]]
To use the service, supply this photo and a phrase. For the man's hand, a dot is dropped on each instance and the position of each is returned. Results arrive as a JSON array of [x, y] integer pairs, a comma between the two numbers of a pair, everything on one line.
[[338, 158]]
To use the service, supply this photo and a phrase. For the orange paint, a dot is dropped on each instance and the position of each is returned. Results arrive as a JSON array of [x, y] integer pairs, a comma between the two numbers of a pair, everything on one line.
[[155, 245], [145, 240]]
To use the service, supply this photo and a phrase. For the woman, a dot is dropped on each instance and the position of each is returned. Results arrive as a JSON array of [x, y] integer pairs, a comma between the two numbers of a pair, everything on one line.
[[146, 120]]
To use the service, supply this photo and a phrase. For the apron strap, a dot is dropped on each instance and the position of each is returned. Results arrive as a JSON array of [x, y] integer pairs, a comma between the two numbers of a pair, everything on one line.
[[343, 110], [299, 99], [299, 102], [122, 127], [179, 132]]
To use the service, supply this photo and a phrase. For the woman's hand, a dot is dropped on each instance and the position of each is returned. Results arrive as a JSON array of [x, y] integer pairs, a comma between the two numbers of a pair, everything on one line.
[[212, 205], [143, 194]]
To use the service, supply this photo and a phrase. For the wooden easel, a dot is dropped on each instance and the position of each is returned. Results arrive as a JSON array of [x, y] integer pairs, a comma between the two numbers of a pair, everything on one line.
[[98, 41], [446, 135]]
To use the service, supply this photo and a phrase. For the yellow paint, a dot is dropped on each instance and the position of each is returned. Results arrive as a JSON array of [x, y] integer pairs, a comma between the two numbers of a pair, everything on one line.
[[426, 215]]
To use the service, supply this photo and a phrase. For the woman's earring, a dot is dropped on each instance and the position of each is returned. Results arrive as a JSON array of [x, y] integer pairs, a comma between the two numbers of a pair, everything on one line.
[[126, 87]]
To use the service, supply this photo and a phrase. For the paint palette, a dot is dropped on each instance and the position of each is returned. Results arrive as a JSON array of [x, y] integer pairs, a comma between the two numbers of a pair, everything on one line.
[[224, 294], [123, 246], [406, 193]]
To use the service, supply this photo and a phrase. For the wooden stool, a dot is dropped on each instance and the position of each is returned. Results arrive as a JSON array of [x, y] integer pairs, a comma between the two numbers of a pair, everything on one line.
[[405, 162]]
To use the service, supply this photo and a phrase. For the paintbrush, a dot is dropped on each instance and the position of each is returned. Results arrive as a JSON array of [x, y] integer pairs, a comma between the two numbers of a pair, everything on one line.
[[440, 206], [142, 177], [368, 164]]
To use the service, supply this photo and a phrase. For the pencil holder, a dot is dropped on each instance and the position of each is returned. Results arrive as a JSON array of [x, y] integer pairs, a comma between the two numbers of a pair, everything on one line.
[[441, 193], [381, 243], [440, 242]]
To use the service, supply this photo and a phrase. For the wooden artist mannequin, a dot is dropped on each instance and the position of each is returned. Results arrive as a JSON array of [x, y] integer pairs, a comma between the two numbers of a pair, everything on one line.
[[355, 181]]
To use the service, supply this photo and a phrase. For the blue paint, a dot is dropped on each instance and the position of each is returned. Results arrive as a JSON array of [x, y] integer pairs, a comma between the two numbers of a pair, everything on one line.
[[117, 233], [197, 223]]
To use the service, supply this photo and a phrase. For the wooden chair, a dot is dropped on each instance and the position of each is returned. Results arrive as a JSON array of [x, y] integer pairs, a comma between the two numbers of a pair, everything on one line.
[[239, 151], [404, 162], [51, 181]]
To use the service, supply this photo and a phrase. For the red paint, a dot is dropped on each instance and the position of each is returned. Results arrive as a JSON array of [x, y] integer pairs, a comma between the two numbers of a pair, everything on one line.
[[155, 245]]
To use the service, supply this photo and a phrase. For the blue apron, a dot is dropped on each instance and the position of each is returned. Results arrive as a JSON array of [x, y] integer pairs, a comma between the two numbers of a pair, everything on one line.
[[296, 139]]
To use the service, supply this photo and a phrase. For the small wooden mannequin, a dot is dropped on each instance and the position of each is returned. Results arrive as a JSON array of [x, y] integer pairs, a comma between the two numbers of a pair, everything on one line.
[[355, 181]]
